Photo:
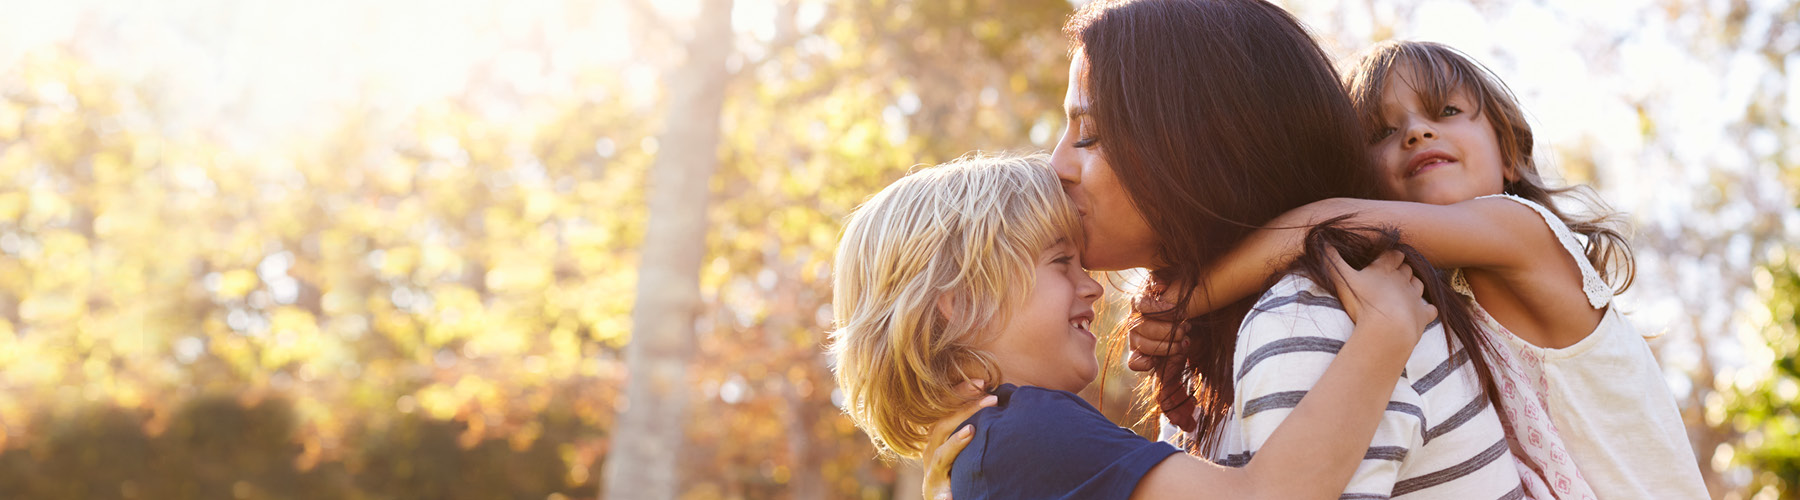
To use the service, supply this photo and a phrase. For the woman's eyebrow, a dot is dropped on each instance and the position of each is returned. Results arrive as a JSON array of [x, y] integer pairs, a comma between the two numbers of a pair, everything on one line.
[[1077, 111]]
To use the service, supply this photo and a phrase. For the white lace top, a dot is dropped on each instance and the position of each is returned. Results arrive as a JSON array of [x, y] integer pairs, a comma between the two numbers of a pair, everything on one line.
[[1605, 398]]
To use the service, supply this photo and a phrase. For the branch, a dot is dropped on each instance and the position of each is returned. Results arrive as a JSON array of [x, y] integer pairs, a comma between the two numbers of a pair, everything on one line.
[[786, 37], [653, 21]]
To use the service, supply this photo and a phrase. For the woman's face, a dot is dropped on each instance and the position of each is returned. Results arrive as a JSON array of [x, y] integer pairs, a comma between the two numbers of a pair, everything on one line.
[[1117, 236]]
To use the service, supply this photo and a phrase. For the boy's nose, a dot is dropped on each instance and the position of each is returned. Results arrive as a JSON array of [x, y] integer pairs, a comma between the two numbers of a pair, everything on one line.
[[1089, 289]]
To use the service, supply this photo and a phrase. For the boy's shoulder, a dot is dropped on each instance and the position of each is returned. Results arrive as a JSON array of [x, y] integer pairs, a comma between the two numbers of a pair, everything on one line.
[[1046, 443], [1034, 409]]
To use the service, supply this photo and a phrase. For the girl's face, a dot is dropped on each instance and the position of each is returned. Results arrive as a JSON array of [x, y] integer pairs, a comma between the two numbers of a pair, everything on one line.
[[1117, 235], [1046, 341], [1440, 155]]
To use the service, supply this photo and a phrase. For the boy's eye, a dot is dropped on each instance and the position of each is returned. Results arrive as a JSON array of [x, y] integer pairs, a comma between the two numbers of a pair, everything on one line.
[[1066, 259], [1451, 111]]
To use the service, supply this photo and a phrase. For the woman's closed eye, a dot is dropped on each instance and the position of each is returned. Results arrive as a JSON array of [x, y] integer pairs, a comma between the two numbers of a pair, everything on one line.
[[1085, 135]]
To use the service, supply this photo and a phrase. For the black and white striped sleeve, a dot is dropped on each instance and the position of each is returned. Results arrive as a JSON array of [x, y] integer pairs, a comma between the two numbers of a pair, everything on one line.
[[1284, 346]]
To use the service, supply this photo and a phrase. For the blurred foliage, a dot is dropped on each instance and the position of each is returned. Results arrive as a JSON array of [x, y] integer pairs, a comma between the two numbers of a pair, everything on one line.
[[1765, 404], [426, 310], [432, 302]]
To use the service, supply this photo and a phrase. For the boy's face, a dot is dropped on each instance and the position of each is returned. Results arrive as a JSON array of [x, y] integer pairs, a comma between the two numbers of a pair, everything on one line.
[[1045, 342], [1441, 155]]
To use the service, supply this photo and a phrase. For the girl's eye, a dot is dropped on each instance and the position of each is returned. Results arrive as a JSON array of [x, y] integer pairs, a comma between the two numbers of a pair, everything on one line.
[[1451, 111], [1087, 142], [1066, 259], [1382, 133]]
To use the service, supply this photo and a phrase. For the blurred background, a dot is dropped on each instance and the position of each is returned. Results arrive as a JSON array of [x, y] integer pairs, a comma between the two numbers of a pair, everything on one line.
[[386, 250]]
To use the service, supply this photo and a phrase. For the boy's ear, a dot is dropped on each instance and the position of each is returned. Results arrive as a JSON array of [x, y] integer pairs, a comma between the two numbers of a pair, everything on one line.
[[946, 307]]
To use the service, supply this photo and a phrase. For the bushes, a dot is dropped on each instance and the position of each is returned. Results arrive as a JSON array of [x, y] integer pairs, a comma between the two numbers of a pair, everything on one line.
[[219, 448]]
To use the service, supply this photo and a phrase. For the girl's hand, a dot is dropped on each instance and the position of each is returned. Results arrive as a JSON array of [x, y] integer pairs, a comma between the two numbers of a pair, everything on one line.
[[1384, 293], [942, 447], [1149, 338]]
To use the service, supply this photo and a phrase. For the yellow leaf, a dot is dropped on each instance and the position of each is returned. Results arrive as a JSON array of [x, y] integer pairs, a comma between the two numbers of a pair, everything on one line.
[[234, 284]]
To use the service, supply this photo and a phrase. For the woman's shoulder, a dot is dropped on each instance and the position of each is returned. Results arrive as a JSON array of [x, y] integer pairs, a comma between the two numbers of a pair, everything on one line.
[[1295, 294], [1294, 315]]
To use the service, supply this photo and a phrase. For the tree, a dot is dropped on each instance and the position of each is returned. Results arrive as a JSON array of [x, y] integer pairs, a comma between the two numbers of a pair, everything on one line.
[[642, 462]]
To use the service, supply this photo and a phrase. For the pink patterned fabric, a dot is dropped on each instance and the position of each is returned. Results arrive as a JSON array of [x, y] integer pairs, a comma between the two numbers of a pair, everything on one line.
[[1544, 464]]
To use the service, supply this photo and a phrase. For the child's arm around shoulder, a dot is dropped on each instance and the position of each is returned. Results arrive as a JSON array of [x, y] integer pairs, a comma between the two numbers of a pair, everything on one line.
[[1495, 233]]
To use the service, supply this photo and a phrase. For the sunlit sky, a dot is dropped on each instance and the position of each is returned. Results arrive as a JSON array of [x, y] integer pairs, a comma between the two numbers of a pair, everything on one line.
[[255, 72], [271, 65]]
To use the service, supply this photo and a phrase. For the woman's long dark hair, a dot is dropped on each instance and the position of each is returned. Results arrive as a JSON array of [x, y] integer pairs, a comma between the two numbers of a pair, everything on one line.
[[1218, 116]]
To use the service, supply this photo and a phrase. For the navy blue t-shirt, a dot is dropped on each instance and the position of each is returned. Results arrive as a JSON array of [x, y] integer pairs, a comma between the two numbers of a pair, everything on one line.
[[1043, 443]]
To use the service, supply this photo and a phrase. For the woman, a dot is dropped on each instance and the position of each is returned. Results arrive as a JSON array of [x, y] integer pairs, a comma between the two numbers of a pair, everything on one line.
[[1192, 123]]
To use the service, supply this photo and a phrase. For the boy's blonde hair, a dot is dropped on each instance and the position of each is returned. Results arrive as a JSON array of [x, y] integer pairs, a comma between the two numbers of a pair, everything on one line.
[[1442, 71], [926, 269]]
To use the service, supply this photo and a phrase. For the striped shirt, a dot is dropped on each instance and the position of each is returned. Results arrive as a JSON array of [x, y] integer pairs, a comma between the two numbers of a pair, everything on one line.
[[1440, 437]]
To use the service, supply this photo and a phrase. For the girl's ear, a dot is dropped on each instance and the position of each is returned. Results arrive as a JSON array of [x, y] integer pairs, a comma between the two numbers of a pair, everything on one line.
[[946, 307]]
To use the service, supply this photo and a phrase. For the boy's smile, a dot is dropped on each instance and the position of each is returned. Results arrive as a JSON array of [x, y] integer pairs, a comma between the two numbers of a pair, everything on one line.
[[1046, 341]]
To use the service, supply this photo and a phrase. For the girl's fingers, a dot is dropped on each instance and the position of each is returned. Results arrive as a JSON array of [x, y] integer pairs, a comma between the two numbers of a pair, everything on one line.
[[1140, 363], [940, 430], [1343, 270], [1391, 259], [1143, 344], [972, 387], [941, 459], [1149, 303], [1156, 330], [944, 456]]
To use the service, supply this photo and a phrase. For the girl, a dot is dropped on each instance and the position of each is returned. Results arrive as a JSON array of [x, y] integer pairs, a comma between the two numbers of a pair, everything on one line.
[[972, 270], [1454, 153]]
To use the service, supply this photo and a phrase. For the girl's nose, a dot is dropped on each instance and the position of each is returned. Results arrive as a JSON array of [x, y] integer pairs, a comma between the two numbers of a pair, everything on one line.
[[1419, 133]]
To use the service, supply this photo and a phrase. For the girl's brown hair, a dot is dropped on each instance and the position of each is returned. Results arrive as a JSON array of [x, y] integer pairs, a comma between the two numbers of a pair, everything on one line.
[[1437, 71], [1218, 116]]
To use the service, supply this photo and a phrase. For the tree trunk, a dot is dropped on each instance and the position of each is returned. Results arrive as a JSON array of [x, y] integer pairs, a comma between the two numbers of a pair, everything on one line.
[[647, 437], [911, 478]]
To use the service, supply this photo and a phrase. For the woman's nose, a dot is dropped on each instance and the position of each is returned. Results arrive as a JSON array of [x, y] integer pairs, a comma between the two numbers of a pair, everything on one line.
[[1067, 168]]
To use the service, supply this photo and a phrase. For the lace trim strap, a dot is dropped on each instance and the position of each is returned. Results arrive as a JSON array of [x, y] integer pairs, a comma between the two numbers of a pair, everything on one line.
[[1598, 292]]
